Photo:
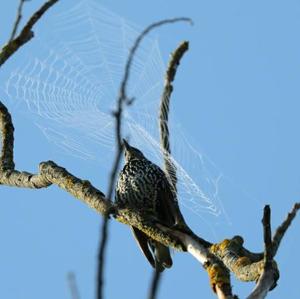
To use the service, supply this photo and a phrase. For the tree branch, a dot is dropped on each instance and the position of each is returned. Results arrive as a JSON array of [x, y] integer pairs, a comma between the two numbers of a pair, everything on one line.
[[73, 285], [270, 273], [170, 168], [7, 132], [219, 275], [281, 230], [155, 283], [26, 33], [17, 20]]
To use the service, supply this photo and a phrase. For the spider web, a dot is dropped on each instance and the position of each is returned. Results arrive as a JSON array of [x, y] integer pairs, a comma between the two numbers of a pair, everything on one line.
[[69, 86]]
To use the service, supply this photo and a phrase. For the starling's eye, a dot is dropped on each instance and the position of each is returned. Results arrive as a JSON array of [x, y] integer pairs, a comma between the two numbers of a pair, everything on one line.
[[126, 155]]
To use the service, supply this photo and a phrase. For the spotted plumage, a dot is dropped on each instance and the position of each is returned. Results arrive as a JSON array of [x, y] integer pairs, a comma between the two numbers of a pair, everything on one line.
[[142, 185]]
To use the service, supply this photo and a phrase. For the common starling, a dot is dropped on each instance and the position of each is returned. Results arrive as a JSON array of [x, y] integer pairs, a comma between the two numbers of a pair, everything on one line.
[[143, 186]]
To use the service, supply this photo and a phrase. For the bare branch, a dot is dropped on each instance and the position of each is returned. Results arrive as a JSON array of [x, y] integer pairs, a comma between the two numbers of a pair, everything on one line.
[[17, 20], [81, 189], [73, 285], [7, 132], [164, 108], [218, 273], [101, 256], [266, 221], [281, 230], [123, 94], [26, 33], [155, 282], [263, 285], [245, 266], [170, 168], [270, 274]]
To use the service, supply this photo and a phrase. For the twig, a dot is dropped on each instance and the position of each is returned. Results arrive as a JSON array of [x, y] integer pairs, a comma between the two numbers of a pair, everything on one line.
[[122, 99], [26, 33], [270, 273], [155, 282], [170, 168], [101, 256], [123, 94], [73, 285], [266, 221], [164, 109], [17, 20], [281, 230]]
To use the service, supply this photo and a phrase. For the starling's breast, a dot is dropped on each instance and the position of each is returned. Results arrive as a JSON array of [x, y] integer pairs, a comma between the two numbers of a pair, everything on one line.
[[138, 184]]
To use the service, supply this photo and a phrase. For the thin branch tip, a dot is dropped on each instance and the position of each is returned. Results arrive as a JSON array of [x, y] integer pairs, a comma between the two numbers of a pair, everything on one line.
[[26, 34]]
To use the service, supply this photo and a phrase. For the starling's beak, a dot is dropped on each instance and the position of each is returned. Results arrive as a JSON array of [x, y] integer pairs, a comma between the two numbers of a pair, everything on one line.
[[126, 145]]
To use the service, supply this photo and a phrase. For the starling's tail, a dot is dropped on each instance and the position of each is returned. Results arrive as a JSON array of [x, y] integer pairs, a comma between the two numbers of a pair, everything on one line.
[[142, 240], [162, 257]]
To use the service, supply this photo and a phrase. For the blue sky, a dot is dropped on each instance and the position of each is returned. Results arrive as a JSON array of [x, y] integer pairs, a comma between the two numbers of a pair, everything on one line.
[[236, 100]]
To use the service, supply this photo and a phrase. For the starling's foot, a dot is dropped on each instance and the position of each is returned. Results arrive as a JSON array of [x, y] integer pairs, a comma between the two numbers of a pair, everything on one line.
[[110, 212]]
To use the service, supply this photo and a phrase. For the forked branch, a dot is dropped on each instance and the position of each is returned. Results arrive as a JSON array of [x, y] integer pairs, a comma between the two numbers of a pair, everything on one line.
[[26, 33]]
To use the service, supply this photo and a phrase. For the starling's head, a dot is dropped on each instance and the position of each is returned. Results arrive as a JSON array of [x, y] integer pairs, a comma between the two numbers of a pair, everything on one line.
[[132, 152]]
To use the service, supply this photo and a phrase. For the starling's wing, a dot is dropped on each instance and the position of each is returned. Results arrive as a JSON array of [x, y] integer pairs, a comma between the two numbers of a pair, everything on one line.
[[142, 240], [168, 210]]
